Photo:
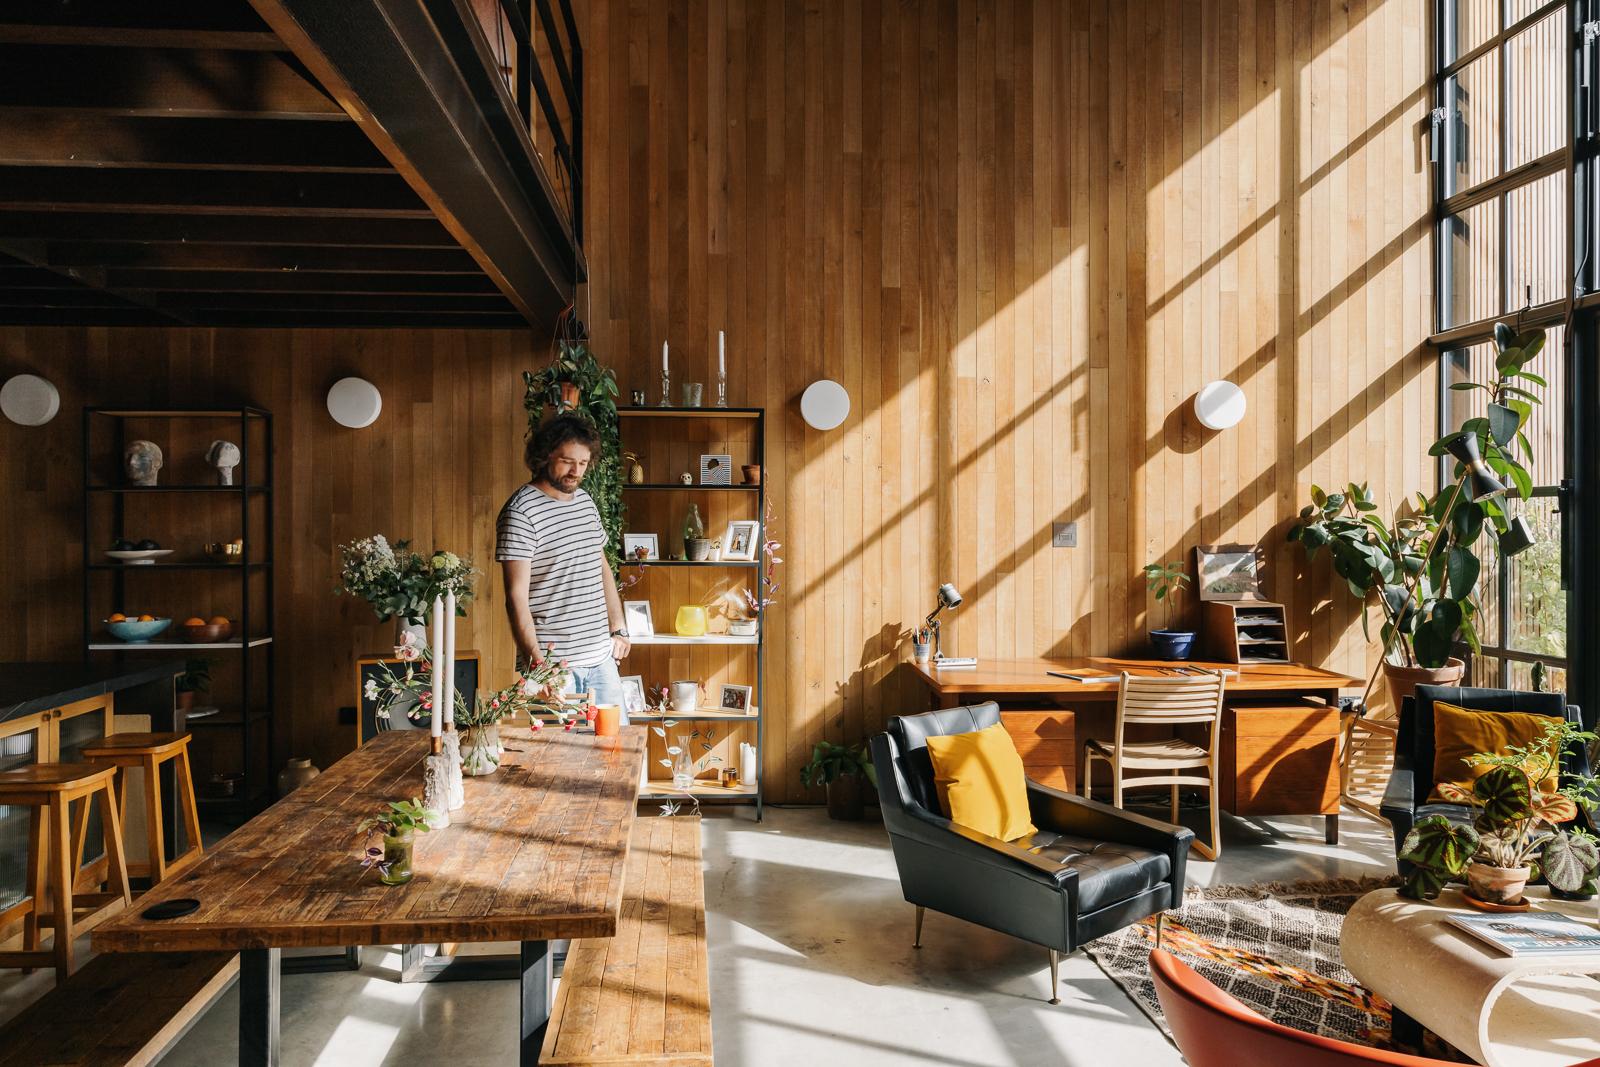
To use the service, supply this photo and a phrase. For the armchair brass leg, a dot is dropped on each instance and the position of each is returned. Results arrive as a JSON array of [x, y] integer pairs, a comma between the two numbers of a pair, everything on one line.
[[1055, 976], [917, 943]]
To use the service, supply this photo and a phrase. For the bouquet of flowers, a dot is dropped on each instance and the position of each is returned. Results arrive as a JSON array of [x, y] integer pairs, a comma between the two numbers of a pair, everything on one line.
[[397, 581], [535, 692]]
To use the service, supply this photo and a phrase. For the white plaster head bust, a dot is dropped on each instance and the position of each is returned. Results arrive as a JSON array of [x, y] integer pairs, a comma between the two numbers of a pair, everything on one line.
[[141, 461], [223, 455]]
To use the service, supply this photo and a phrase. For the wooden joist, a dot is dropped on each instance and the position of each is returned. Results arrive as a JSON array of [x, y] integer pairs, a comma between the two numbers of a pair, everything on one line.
[[642, 996], [117, 1011]]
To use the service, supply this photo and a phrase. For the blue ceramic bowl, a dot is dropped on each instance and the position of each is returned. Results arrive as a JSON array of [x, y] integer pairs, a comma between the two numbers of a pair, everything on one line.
[[137, 633]]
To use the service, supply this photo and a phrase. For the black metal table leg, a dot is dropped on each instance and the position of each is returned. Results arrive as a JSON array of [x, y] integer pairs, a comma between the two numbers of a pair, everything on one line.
[[258, 1007], [535, 999]]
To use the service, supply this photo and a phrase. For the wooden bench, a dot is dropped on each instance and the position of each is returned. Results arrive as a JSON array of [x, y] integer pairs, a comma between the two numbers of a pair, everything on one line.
[[118, 1010], [643, 996]]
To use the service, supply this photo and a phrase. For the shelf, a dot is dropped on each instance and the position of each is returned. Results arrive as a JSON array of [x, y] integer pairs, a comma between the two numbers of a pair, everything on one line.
[[197, 565], [181, 413], [180, 488], [708, 639], [656, 789], [171, 646], [685, 488], [706, 716], [691, 563], [208, 721], [689, 413]]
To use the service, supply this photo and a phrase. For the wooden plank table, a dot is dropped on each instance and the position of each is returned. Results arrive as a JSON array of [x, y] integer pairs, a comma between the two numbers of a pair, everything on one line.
[[537, 854]]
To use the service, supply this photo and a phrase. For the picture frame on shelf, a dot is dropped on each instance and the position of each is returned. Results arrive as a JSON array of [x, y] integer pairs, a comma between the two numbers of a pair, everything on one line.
[[633, 542], [637, 618], [716, 470], [1228, 572], [735, 698], [633, 702], [742, 540]]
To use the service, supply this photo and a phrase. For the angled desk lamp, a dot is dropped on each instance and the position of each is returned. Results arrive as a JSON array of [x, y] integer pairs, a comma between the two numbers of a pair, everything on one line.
[[948, 598]]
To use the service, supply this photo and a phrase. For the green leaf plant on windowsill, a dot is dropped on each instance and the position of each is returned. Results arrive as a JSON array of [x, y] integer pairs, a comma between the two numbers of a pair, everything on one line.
[[1422, 568]]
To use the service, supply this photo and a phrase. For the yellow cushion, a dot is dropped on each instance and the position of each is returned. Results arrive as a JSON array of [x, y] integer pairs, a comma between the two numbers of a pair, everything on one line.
[[1458, 733], [981, 783]]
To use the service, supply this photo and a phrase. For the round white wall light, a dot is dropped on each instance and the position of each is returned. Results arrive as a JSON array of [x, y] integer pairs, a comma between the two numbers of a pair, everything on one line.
[[354, 402], [29, 400], [824, 405], [1219, 405]]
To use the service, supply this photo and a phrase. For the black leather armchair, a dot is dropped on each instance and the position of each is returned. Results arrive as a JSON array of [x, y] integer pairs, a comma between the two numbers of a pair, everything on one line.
[[1089, 870], [1405, 800]]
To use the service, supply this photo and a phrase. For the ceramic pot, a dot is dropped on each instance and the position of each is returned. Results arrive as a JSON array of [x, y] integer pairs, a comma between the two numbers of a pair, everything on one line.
[[1172, 644], [742, 627], [569, 395], [690, 621], [480, 750], [685, 697], [295, 773], [1403, 681], [186, 700], [698, 549], [396, 869], [1497, 885], [752, 473], [844, 798], [607, 720]]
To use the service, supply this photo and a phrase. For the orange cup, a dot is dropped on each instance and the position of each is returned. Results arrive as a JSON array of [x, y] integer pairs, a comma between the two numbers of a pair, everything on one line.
[[607, 720]]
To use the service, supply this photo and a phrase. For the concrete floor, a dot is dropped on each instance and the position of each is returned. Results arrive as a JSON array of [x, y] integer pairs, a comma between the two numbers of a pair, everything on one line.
[[811, 963]]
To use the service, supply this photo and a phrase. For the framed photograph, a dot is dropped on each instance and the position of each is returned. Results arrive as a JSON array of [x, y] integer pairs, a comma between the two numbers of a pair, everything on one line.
[[635, 543], [716, 470], [633, 694], [734, 698], [637, 618], [1227, 572], [742, 540]]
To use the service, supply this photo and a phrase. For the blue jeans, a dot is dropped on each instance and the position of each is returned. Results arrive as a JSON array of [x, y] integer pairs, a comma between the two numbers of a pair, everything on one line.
[[602, 683]]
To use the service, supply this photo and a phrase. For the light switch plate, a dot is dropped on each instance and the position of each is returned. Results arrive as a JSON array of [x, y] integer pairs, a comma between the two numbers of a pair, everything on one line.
[[1064, 535]]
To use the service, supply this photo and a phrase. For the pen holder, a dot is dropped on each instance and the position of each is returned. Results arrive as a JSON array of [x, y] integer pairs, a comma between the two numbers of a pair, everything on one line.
[[922, 651]]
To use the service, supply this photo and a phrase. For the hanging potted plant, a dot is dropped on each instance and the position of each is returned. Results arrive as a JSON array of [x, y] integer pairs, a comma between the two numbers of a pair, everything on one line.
[[840, 769], [1167, 581]]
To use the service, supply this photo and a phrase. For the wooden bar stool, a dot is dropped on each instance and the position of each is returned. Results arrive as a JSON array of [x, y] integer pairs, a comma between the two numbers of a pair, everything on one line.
[[149, 751], [49, 790]]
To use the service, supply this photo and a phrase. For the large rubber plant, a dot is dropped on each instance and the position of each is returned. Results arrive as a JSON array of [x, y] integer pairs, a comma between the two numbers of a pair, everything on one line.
[[572, 363]]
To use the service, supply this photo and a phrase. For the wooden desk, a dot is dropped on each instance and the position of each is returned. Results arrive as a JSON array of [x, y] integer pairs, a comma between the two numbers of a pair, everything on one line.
[[1027, 680], [538, 853]]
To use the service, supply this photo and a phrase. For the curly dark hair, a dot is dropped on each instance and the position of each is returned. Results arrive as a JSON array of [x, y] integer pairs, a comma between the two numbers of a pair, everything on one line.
[[553, 434]]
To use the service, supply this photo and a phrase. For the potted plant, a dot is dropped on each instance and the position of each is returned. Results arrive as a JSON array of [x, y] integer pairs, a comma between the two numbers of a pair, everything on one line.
[[196, 678], [398, 822], [1438, 850], [840, 769], [1166, 581]]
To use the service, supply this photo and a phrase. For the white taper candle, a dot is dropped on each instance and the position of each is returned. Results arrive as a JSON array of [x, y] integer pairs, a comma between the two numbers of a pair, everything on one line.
[[663, 355], [449, 659], [436, 639], [722, 352]]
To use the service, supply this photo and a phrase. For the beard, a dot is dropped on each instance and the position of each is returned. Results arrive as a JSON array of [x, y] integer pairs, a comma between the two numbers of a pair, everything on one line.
[[565, 483]]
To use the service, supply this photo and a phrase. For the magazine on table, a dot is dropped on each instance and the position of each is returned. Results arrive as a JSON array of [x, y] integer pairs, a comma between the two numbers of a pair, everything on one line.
[[1531, 934]]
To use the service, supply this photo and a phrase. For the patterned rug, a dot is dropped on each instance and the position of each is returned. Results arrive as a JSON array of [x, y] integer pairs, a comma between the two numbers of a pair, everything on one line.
[[1273, 946]]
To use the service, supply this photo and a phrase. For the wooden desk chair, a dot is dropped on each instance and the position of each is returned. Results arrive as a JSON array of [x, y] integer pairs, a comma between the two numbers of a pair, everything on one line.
[[149, 751], [1163, 702], [49, 790]]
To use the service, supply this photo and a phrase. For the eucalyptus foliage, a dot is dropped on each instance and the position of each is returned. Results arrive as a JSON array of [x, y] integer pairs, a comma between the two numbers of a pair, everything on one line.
[[1421, 568], [597, 402]]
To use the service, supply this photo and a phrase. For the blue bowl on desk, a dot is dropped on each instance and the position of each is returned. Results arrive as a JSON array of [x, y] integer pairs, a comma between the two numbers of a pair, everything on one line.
[[135, 632], [1172, 644]]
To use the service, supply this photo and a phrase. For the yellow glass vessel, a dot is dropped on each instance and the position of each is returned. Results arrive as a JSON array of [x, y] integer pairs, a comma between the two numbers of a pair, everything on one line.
[[691, 621]]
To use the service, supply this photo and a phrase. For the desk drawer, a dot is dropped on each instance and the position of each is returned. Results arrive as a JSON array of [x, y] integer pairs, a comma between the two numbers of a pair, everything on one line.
[[1280, 758]]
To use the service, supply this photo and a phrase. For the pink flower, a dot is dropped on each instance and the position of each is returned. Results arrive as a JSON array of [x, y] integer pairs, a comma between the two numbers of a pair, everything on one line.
[[406, 653], [495, 703], [563, 664], [535, 724], [408, 638]]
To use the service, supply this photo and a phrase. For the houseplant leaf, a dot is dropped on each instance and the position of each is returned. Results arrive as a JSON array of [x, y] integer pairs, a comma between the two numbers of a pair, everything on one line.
[[1505, 795], [1503, 423], [1569, 860]]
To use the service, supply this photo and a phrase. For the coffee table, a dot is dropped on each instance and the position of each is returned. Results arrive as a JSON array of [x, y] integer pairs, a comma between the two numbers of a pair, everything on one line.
[[1503, 1011]]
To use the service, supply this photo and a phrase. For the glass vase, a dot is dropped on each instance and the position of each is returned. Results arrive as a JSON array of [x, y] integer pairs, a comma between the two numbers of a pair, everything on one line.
[[693, 528], [480, 750], [396, 869], [683, 763]]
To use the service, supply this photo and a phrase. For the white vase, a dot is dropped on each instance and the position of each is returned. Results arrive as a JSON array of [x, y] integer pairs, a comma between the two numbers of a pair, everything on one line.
[[480, 750]]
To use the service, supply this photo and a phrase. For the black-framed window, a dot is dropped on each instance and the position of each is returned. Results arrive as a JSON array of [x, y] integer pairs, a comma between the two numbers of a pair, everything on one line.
[[1508, 80]]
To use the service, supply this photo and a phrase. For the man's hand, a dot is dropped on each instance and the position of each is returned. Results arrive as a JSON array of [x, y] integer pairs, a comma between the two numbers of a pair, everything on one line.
[[620, 647]]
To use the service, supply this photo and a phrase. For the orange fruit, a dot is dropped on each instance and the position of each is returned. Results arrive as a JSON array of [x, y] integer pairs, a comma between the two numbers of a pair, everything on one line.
[[147, 618], [194, 620], [117, 616], [219, 620]]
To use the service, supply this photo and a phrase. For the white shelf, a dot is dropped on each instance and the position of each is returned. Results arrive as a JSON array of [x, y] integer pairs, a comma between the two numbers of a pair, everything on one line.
[[708, 639], [169, 646], [697, 716], [661, 789]]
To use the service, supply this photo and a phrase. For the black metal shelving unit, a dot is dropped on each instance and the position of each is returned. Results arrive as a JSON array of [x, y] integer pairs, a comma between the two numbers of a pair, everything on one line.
[[254, 497], [745, 794]]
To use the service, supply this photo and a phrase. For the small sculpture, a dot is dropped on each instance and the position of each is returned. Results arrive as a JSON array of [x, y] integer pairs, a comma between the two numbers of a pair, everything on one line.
[[141, 461], [224, 456], [686, 478]]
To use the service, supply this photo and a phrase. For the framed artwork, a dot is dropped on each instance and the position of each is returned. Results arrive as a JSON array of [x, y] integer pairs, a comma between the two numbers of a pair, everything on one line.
[[716, 470], [633, 694], [1227, 572], [734, 698], [741, 539], [637, 618], [633, 544]]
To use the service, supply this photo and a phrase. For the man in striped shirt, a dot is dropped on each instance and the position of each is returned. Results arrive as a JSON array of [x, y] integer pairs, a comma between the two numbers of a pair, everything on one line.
[[551, 547]]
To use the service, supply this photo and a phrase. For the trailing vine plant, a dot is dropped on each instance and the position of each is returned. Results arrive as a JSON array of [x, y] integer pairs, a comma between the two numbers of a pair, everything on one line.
[[573, 363]]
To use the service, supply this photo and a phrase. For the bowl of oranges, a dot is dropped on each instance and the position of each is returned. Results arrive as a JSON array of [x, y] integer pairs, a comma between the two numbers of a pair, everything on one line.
[[207, 631], [135, 629]]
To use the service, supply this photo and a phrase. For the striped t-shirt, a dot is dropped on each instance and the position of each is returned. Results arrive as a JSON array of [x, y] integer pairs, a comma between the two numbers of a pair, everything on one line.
[[563, 542]]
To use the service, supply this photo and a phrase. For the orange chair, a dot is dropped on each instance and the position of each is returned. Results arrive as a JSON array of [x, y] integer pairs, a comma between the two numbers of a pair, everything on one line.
[[1213, 1029]]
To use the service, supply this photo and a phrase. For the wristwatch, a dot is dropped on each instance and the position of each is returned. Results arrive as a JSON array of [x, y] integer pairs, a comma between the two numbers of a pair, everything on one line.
[[620, 633]]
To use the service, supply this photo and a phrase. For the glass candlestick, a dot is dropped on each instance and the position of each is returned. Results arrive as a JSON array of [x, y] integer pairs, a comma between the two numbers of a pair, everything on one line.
[[666, 388], [722, 389]]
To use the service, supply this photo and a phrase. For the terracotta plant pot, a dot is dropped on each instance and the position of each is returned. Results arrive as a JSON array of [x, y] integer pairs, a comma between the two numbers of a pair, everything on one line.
[[752, 473], [186, 700], [1403, 681], [698, 548], [844, 798], [569, 395], [1497, 885]]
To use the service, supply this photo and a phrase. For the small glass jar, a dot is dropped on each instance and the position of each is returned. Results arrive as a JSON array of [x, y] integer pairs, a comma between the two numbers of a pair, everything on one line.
[[396, 869]]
